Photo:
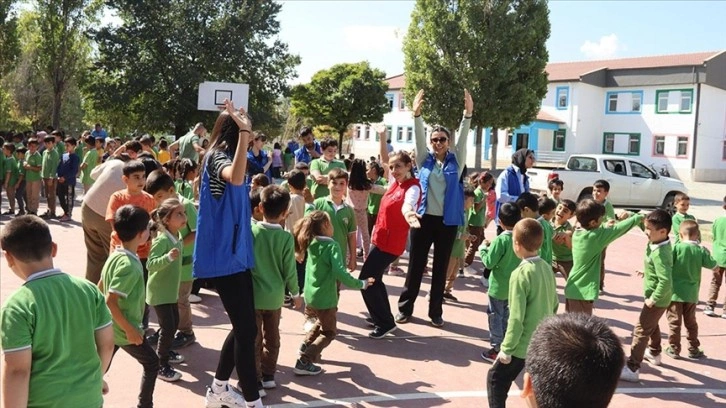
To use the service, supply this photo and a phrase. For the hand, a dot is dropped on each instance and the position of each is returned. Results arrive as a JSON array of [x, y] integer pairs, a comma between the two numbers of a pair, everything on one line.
[[369, 282], [504, 358], [298, 302], [174, 254], [240, 117], [134, 337], [104, 388], [412, 219], [559, 238], [418, 102], [623, 215], [352, 263], [381, 129], [649, 302], [639, 274], [486, 242], [468, 103], [610, 223]]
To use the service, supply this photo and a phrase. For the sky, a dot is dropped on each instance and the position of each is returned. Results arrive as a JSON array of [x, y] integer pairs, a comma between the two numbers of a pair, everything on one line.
[[324, 33]]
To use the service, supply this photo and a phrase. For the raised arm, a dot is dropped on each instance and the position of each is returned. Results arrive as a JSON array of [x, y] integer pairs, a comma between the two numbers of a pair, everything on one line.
[[418, 129], [382, 146], [236, 173]]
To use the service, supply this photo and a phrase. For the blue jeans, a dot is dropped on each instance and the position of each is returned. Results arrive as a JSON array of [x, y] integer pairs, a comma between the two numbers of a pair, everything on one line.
[[498, 311]]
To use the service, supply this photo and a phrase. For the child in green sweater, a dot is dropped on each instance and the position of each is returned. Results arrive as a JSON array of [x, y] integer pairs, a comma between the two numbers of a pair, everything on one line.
[[658, 285], [274, 271], [457, 252], [600, 193], [688, 260], [681, 202], [500, 259], [719, 253], [547, 207], [162, 288], [588, 243], [324, 269], [532, 297], [562, 239], [11, 176], [528, 203]]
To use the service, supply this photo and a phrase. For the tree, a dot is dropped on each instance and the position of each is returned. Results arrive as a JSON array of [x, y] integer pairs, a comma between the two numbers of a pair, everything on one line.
[[342, 95], [495, 48], [9, 43], [151, 65]]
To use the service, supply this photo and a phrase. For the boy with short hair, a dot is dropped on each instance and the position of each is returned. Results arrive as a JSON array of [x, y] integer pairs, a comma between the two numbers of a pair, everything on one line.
[[320, 169], [688, 259], [588, 242], [681, 202], [600, 192], [499, 258], [718, 230], [532, 297], [458, 250], [20, 185], [546, 209], [67, 172], [562, 239], [11, 176], [90, 160], [296, 183], [33, 166], [274, 271], [36, 323], [255, 200], [122, 282], [658, 282], [49, 169]]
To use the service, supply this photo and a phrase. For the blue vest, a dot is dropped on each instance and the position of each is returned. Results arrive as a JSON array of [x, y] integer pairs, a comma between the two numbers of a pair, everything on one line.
[[223, 244], [454, 193], [513, 187]]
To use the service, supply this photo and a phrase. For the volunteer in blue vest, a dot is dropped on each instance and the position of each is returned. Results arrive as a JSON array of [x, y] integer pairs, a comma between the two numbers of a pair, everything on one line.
[[441, 210], [513, 181], [223, 254], [310, 148], [396, 213]]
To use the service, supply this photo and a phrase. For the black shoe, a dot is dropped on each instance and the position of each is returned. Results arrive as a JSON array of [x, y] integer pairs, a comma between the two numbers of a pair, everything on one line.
[[449, 296], [302, 368], [153, 338], [370, 322], [490, 355], [8, 212], [379, 333], [437, 321], [182, 340], [402, 318]]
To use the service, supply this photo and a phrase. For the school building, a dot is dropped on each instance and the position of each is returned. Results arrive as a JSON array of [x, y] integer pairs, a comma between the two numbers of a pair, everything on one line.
[[669, 111]]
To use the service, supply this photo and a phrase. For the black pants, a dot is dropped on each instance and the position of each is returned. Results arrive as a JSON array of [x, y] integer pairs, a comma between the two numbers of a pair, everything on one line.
[[20, 196], [376, 296], [148, 359], [432, 232], [300, 269], [66, 193], [500, 379], [238, 350], [145, 318], [372, 218], [168, 316]]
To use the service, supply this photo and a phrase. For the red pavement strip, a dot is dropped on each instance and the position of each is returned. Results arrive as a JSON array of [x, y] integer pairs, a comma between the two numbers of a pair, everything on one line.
[[419, 365]]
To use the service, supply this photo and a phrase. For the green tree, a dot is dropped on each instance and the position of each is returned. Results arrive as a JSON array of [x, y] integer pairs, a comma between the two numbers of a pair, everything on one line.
[[342, 95], [495, 48], [150, 66], [9, 42]]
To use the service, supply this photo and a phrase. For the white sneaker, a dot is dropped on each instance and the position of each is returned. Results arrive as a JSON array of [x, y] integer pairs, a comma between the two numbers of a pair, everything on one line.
[[655, 360], [268, 384], [194, 298], [484, 282], [630, 376], [228, 398], [404, 255]]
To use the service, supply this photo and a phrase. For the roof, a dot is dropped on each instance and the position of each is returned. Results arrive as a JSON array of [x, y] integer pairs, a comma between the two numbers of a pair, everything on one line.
[[546, 117], [564, 71], [396, 82]]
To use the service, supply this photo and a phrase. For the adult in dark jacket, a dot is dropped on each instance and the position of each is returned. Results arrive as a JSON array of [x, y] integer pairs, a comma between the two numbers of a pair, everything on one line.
[[513, 181]]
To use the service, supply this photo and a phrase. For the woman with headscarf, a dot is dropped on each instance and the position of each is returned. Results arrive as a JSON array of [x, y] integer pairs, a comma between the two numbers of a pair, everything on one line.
[[513, 181]]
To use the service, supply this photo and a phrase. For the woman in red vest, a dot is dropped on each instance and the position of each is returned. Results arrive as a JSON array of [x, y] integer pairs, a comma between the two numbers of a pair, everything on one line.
[[396, 214]]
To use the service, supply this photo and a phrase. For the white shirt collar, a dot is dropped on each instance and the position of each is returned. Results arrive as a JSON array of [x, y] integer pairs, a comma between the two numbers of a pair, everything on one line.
[[171, 237], [653, 247], [119, 248], [323, 238], [43, 274], [507, 232], [689, 242], [268, 225]]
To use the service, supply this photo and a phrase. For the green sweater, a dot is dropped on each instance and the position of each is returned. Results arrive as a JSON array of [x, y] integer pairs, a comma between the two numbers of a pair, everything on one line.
[[688, 259], [719, 241], [499, 256], [583, 283], [561, 252], [609, 211], [33, 159], [658, 273], [342, 217], [164, 274], [274, 268], [545, 251], [324, 269], [50, 163], [477, 218], [324, 167], [677, 219], [11, 170], [532, 297]]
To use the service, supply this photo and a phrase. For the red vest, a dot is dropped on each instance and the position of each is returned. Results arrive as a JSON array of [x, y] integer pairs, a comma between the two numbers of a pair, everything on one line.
[[391, 230]]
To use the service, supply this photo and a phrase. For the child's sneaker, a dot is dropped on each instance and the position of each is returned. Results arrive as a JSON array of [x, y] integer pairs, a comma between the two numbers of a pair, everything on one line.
[[370, 322], [672, 353], [396, 271], [695, 354], [306, 368], [723, 315], [484, 282], [169, 374], [153, 338], [182, 340], [630, 375], [449, 296], [260, 390], [655, 360], [268, 382], [708, 311], [461, 273], [490, 355], [227, 398], [288, 301], [194, 298], [175, 358]]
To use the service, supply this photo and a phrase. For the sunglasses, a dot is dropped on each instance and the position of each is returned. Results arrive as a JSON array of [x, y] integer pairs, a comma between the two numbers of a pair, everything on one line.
[[439, 139]]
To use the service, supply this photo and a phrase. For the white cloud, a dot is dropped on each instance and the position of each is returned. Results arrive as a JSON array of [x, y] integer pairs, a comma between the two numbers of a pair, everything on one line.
[[607, 47], [373, 38]]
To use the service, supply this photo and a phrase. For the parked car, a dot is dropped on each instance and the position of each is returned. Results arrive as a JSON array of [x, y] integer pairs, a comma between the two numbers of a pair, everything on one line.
[[632, 183]]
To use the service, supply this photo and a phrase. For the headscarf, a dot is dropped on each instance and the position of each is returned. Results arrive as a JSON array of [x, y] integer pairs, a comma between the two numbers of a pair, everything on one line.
[[519, 158]]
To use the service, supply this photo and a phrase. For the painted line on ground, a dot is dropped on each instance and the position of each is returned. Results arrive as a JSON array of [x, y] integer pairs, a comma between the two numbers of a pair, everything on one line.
[[350, 402]]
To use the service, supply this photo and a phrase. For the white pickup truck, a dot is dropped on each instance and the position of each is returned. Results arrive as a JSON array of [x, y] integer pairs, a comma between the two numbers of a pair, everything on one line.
[[632, 183]]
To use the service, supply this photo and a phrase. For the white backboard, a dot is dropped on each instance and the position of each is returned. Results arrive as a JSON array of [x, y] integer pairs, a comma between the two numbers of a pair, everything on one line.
[[213, 94]]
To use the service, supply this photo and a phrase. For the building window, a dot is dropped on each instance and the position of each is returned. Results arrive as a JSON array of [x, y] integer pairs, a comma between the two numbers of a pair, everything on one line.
[[357, 132], [508, 140], [624, 102], [558, 144], [670, 146], [399, 134], [409, 134], [674, 101], [563, 96], [682, 146], [389, 96], [367, 132], [401, 102], [659, 149], [621, 143]]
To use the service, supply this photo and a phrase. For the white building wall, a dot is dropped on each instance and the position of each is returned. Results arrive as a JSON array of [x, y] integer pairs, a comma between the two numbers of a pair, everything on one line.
[[710, 148], [584, 126]]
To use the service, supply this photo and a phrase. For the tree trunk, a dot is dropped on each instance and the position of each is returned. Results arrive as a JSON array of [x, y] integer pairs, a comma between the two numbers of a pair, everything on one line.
[[477, 147], [340, 142], [57, 104], [494, 143]]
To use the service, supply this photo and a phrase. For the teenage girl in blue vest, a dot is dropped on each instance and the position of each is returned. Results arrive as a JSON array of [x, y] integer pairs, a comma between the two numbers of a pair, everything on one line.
[[441, 210], [513, 181], [223, 253]]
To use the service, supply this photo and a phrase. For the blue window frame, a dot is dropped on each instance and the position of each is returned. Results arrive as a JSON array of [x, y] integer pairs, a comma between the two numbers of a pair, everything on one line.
[[624, 103], [562, 97]]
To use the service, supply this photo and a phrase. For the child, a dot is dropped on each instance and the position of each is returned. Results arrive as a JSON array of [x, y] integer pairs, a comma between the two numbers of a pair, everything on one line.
[[255, 201], [562, 239], [359, 190], [555, 186], [11, 176], [340, 213], [163, 156], [532, 297], [56, 348], [49, 172], [457, 252], [90, 161], [161, 186], [325, 268], [588, 241], [320, 167], [274, 272], [67, 172], [546, 209], [187, 172], [20, 185], [162, 289], [376, 175], [681, 202], [500, 259], [295, 212], [147, 143], [658, 283], [477, 215], [688, 259], [719, 253], [122, 282], [600, 192]]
